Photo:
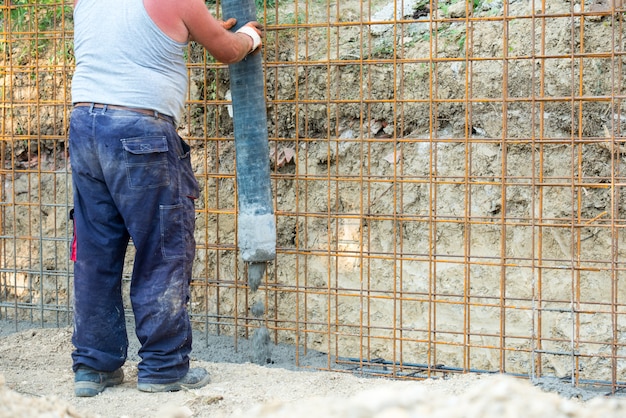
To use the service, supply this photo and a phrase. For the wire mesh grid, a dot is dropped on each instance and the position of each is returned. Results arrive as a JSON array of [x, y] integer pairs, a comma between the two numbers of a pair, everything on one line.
[[447, 180]]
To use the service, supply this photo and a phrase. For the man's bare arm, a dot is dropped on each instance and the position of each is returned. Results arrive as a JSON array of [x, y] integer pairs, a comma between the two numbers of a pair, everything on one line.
[[213, 34]]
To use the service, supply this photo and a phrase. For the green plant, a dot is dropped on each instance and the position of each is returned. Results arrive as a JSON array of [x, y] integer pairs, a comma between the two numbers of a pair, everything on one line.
[[26, 22], [292, 18], [260, 4], [461, 42], [385, 49], [43, 15], [444, 6]]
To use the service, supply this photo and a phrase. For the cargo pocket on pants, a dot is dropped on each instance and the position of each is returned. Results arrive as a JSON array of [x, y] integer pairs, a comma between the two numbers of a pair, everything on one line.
[[188, 182], [172, 231]]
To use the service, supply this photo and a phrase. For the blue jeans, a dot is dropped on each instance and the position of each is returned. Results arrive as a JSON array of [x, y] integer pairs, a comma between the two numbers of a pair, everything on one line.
[[132, 179]]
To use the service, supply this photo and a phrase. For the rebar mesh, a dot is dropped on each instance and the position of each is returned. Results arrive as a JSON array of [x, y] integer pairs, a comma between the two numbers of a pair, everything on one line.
[[447, 178]]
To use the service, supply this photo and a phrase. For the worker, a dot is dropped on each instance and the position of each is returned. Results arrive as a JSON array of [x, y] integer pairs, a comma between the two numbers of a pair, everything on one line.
[[133, 180]]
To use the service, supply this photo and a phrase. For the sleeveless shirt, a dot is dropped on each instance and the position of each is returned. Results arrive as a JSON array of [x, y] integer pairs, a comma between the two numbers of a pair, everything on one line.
[[123, 58]]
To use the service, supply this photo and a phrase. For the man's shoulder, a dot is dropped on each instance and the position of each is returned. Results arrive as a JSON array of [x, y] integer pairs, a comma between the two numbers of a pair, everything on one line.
[[169, 16]]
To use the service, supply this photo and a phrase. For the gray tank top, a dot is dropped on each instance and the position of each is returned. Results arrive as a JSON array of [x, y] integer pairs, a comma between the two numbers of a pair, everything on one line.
[[124, 59]]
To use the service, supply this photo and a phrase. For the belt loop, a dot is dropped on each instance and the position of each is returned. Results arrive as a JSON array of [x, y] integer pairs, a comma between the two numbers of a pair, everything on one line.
[[91, 108], [104, 108], [156, 114]]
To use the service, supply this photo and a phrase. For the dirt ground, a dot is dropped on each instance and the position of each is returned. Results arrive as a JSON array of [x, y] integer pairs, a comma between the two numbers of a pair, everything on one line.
[[36, 380]]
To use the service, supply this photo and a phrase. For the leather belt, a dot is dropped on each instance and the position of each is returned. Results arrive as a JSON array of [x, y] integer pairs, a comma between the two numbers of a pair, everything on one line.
[[129, 109]]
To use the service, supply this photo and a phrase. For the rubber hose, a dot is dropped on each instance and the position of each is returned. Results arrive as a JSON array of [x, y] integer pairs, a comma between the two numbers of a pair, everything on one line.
[[256, 224]]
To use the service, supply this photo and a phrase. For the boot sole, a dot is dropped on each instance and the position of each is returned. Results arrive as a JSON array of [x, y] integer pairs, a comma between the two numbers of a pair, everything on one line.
[[87, 389], [172, 387]]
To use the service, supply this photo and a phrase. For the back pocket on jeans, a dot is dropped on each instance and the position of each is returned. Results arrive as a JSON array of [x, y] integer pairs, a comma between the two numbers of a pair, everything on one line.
[[146, 161]]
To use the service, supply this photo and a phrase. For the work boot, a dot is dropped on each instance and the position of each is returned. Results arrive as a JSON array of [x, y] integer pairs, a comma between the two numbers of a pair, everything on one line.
[[90, 382], [194, 379]]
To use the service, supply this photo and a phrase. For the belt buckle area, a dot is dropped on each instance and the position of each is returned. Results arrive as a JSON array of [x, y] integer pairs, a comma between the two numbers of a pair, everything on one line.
[[147, 112]]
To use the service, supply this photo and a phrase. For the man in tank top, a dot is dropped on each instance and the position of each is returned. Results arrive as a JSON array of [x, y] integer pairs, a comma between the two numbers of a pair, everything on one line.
[[133, 180]]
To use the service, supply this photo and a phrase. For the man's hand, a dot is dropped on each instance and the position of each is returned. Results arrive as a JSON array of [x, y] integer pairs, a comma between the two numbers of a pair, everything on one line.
[[215, 35]]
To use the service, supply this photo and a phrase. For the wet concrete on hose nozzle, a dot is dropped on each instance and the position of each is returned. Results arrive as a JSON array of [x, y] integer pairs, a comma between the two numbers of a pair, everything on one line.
[[261, 352], [261, 346], [255, 274], [258, 309]]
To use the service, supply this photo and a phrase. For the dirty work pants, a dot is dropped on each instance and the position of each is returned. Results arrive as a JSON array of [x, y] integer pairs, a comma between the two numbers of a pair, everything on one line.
[[132, 179]]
